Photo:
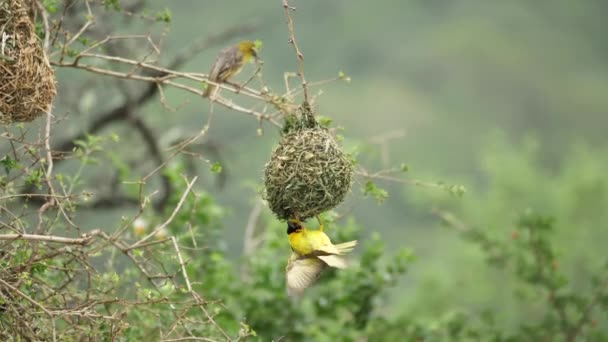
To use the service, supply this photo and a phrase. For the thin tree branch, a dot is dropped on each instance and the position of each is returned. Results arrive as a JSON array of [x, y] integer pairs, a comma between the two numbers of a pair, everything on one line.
[[166, 223], [85, 240], [292, 41], [152, 143]]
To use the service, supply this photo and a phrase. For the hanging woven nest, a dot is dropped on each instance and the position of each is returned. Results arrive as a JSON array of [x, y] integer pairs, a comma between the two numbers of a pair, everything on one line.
[[27, 83], [308, 173]]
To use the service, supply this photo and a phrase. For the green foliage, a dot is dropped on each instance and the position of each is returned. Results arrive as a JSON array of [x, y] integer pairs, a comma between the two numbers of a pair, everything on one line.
[[373, 190], [34, 178], [50, 5], [338, 308], [561, 312], [39, 29], [215, 168], [342, 76], [324, 121], [112, 4], [85, 41], [164, 16], [258, 45], [542, 277], [249, 297], [9, 163]]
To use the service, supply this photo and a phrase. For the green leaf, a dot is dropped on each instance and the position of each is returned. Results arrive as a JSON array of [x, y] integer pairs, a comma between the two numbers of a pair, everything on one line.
[[34, 178], [50, 5], [257, 45], [164, 16], [84, 41], [343, 76], [215, 168], [71, 52], [39, 28], [112, 4], [378, 193], [457, 189], [324, 121], [9, 163]]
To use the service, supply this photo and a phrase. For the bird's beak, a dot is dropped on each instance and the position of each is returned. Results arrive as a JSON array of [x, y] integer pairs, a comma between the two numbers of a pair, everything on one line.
[[256, 58]]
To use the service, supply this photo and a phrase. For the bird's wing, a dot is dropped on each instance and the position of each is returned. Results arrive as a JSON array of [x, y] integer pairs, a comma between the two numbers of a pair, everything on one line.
[[334, 261], [216, 68], [321, 243], [301, 273], [227, 64], [326, 250], [232, 65], [332, 255]]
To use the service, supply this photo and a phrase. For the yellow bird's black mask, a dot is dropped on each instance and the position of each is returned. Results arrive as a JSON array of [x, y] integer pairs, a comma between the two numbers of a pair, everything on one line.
[[292, 227]]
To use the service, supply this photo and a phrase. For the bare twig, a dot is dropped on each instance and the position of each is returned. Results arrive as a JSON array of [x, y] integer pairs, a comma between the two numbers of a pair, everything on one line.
[[182, 264], [385, 175], [45, 23], [292, 41], [166, 223], [451, 220], [249, 240], [50, 238]]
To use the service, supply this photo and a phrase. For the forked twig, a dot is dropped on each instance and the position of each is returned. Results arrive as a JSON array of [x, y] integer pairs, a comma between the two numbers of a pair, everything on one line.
[[166, 223], [292, 41]]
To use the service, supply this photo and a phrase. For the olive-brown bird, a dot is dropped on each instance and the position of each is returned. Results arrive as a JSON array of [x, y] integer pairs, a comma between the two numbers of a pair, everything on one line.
[[229, 63], [313, 251]]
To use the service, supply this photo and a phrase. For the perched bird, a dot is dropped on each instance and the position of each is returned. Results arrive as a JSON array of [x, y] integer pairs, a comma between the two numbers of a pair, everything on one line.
[[313, 251], [229, 63]]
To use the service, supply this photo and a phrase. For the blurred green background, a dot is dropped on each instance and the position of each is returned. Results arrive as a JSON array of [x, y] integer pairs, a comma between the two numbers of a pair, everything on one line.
[[506, 98]]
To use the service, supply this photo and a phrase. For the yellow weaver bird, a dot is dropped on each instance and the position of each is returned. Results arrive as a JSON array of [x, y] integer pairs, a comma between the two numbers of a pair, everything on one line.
[[307, 242], [230, 62], [313, 251]]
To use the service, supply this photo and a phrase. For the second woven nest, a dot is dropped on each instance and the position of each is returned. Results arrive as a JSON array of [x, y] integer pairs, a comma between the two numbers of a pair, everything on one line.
[[308, 173], [27, 83]]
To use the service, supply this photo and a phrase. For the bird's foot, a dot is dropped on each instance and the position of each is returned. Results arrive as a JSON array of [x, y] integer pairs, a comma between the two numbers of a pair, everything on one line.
[[321, 227]]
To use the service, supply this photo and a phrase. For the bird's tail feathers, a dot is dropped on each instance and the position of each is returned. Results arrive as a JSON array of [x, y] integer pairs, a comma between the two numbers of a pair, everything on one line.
[[209, 90], [346, 247]]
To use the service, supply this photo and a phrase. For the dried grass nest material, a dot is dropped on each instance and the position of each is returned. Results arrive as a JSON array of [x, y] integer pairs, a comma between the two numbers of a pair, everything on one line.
[[308, 173], [27, 83]]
